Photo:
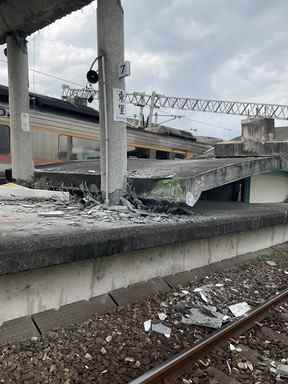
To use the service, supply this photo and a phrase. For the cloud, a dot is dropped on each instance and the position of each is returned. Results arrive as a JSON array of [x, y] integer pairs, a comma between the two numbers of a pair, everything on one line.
[[200, 48]]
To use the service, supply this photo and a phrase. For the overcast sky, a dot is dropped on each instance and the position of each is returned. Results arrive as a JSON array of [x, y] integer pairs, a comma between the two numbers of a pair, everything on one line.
[[200, 48]]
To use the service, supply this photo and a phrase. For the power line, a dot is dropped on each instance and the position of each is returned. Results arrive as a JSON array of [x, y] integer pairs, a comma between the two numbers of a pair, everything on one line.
[[49, 75], [203, 122]]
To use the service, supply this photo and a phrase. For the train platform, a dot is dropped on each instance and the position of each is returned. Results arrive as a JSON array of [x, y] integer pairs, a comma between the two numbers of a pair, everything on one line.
[[56, 253]]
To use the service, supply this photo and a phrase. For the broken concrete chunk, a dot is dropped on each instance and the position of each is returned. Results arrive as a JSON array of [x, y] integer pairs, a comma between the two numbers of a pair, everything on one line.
[[239, 309], [271, 263], [14, 192], [202, 317], [282, 370], [147, 325], [162, 329]]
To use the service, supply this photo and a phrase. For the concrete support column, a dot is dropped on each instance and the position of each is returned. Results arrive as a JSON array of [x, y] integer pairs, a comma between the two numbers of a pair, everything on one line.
[[110, 24], [21, 136], [69, 149]]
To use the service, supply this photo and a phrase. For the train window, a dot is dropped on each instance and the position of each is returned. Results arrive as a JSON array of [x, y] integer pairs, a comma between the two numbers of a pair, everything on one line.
[[4, 140]]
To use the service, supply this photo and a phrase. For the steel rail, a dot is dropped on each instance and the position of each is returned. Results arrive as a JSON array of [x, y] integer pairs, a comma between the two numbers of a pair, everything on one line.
[[168, 370]]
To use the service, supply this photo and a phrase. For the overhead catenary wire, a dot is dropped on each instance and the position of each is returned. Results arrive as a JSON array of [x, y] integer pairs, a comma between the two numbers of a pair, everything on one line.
[[49, 75]]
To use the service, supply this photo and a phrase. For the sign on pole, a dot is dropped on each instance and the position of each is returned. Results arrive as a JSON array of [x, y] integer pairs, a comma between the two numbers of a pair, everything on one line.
[[119, 105], [124, 69]]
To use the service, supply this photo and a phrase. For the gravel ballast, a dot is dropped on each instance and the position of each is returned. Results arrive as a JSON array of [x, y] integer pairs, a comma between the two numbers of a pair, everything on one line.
[[114, 348]]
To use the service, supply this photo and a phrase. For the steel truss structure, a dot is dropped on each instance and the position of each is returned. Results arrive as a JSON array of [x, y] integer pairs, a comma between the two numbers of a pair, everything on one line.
[[248, 109]]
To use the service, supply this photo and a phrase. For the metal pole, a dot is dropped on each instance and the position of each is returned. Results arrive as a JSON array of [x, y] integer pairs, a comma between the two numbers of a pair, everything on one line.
[[110, 26], [21, 136], [106, 131]]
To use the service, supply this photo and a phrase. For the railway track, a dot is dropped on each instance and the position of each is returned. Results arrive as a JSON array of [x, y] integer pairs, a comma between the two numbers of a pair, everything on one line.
[[174, 370]]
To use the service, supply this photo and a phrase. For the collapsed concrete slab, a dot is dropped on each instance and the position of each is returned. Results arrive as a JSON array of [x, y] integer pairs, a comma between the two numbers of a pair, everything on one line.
[[187, 182], [180, 181]]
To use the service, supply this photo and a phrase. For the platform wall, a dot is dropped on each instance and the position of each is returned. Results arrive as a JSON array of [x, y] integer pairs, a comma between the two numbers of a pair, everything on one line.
[[270, 188], [30, 292]]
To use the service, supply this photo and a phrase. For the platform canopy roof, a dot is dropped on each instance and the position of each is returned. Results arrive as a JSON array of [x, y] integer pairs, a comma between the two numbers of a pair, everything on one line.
[[28, 16]]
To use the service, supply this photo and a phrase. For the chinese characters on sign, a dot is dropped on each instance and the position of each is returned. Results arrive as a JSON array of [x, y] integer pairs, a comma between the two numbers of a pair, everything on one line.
[[119, 105]]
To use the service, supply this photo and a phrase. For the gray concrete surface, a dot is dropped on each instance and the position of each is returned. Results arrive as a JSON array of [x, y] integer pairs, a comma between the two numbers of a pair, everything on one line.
[[244, 149], [29, 241], [30, 15], [170, 180], [258, 130], [25, 328], [257, 139], [21, 136], [110, 22]]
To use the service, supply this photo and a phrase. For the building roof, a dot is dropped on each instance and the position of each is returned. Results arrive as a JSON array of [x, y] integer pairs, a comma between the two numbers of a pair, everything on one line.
[[53, 105], [28, 16]]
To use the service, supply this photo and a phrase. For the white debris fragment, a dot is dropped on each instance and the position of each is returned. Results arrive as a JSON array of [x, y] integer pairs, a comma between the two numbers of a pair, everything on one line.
[[250, 366], [162, 329], [129, 360], [51, 214], [271, 263], [242, 365], [147, 325], [234, 349], [88, 356], [282, 370], [162, 316], [34, 339], [219, 285], [108, 339], [239, 309], [185, 292], [103, 351]]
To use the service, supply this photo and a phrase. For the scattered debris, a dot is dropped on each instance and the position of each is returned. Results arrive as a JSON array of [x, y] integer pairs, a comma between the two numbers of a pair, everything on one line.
[[204, 293], [162, 329], [206, 316], [271, 263], [108, 339], [129, 360], [137, 364], [88, 356], [103, 351], [234, 349], [162, 316], [14, 192], [282, 370], [181, 307], [239, 309], [147, 325]]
